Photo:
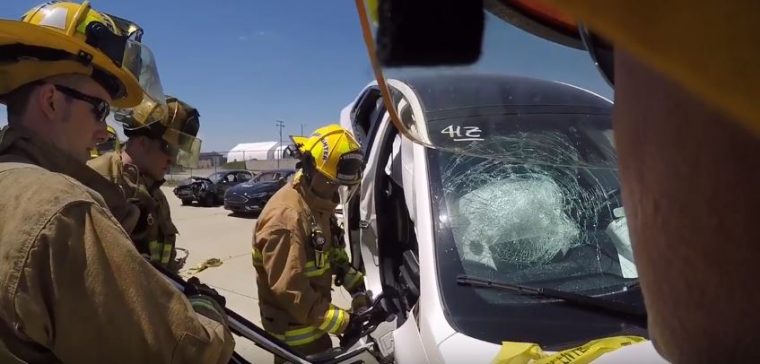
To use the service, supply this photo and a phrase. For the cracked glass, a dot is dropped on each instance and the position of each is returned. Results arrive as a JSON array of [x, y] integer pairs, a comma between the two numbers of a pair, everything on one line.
[[537, 202]]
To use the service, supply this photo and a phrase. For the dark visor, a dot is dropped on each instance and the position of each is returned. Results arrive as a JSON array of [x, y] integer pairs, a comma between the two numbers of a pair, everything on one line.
[[350, 168]]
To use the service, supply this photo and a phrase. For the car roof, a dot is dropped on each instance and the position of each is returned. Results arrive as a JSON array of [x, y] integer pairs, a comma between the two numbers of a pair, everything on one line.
[[447, 91]]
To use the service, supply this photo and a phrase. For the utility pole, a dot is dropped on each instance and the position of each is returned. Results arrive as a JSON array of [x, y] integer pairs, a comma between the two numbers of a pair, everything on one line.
[[280, 124]]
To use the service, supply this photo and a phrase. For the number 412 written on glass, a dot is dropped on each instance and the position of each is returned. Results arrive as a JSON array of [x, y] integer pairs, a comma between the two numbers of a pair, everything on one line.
[[463, 133]]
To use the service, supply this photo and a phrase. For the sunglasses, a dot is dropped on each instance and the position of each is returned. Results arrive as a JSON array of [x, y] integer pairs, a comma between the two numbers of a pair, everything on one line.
[[100, 107]]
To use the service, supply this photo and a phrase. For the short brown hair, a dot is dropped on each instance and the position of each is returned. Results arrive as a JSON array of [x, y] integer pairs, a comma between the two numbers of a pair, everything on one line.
[[17, 101]]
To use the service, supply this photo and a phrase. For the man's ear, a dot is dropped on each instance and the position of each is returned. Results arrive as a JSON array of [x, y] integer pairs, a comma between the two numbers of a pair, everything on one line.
[[44, 98]]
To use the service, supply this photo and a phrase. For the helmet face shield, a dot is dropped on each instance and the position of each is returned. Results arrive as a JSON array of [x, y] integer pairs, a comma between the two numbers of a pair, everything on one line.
[[181, 133], [135, 57], [178, 127], [139, 60], [185, 121], [186, 148], [350, 168]]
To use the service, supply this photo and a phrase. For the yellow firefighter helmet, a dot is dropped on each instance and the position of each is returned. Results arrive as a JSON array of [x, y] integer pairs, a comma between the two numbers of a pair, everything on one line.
[[111, 144], [178, 128], [332, 151], [59, 38]]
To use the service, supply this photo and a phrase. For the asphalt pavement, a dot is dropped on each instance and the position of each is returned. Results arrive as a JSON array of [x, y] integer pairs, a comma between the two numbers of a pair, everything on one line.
[[213, 232]]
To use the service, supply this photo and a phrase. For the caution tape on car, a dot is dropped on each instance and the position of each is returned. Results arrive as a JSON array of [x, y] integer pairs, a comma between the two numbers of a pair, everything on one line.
[[530, 353]]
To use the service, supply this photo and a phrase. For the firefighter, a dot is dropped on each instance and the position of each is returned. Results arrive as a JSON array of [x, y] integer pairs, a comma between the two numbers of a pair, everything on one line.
[[75, 289], [110, 144], [298, 245], [125, 212], [139, 170]]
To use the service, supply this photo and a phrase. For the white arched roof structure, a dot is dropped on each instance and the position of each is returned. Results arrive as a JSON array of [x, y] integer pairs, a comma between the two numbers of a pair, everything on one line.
[[249, 151]]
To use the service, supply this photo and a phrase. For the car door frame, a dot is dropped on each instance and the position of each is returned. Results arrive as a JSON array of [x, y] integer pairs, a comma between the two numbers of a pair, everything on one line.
[[369, 106], [421, 330]]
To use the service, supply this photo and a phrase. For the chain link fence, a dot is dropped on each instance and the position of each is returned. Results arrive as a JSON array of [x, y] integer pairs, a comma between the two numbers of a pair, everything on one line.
[[213, 162]]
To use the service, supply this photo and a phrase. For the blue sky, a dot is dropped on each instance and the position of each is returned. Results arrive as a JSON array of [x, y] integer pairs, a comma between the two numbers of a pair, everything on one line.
[[245, 64]]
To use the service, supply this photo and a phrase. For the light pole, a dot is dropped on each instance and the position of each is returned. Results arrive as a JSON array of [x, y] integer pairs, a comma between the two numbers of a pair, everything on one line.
[[280, 124]]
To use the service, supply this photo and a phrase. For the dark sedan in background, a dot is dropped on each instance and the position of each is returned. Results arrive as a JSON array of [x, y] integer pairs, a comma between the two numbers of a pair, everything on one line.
[[250, 197], [210, 191]]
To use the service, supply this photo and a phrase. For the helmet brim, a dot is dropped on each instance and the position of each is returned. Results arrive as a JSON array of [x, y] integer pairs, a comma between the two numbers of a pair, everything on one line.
[[17, 32]]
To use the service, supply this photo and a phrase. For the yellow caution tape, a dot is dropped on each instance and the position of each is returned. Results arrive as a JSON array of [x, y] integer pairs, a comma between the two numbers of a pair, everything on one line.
[[529, 353], [208, 263]]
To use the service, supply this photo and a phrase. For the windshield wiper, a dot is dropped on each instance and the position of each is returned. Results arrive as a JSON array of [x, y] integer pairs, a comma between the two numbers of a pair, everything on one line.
[[625, 310]]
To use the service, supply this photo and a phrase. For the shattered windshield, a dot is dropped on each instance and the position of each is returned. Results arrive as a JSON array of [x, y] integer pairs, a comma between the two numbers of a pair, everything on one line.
[[543, 209], [536, 202]]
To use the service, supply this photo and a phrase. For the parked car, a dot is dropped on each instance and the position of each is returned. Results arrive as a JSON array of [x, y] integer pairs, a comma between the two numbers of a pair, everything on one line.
[[251, 196], [210, 191], [526, 193]]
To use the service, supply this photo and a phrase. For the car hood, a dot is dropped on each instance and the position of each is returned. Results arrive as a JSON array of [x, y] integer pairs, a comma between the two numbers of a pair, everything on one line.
[[193, 180], [460, 348], [254, 188]]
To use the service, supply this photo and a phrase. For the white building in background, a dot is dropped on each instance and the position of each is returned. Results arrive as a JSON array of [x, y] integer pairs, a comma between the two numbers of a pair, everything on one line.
[[257, 151]]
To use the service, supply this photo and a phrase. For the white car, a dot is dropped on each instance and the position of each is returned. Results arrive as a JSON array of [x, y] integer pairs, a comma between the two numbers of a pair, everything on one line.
[[525, 193]]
